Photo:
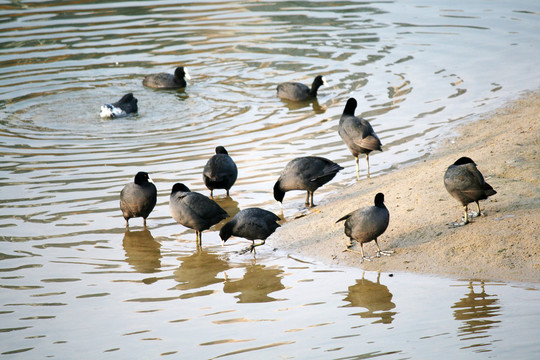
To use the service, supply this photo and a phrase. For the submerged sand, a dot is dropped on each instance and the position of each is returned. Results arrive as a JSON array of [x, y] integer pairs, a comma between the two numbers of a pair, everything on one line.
[[502, 245]]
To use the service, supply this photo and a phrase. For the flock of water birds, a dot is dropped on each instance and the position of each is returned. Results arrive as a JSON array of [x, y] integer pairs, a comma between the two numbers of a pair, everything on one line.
[[198, 212]]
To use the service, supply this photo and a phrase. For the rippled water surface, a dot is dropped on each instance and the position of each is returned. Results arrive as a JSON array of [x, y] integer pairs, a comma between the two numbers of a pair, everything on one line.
[[73, 280]]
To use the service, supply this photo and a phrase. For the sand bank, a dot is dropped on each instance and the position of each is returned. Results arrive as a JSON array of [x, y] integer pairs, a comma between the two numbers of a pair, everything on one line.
[[503, 245]]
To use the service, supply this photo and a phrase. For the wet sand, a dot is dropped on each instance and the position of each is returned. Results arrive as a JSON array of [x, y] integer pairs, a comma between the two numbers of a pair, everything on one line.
[[502, 245]]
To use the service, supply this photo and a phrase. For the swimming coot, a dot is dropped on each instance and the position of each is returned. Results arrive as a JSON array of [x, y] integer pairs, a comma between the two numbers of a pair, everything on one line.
[[125, 106], [168, 81], [305, 173], [137, 199], [367, 224], [252, 224], [299, 92], [194, 210], [220, 172], [357, 134], [465, 183]]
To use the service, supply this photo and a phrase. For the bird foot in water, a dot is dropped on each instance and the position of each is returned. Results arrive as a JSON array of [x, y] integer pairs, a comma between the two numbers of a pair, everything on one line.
[[385, 253], [358, 252], [250, 248], [246, 250]]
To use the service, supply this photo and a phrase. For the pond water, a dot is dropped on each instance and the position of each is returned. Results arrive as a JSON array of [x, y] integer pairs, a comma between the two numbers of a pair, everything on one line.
[[72, 280]]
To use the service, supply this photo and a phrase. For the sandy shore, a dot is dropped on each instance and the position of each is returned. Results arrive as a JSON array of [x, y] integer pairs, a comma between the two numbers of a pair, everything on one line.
[[503, 245]]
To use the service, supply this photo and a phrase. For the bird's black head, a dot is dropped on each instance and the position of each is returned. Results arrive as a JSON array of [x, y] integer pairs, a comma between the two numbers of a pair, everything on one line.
[[181, 73], [379, 200], [463, 161], [141, 178], [350, 107], [221, 150], [278, 193], [226, 231], [319, 81], [179, 187]]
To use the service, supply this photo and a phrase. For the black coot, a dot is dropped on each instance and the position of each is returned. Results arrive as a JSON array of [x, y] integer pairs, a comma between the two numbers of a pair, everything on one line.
[[137, 199], [252, 224], [357, 134], [168, 81], [125, 106], [299, 92], [220, 172], [194, 210], [465, 183], [367, 224], [305, 173]]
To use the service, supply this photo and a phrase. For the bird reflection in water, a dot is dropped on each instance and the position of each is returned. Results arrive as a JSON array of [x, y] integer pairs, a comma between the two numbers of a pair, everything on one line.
[[142, 251], [296, 105], [257, 283], [199, 270], [229, 205], [374, 297], [476, 311]]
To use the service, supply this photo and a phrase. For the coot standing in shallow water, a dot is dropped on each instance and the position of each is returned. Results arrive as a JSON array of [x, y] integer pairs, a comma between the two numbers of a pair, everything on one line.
[[357, 134], [305, 173], [125, 106], [465, 183], [137, 199], [194, 210], [220, 172], [299, 92], [367, 224], [168, 81], [252, 224]]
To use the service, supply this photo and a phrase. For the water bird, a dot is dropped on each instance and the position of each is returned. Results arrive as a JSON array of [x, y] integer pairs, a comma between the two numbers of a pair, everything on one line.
[[465, 183], [168, 81], [305, 173], [220, 172], [299, 92], [125, 106], [137, 199], [367, 224], [357, 134], [194, 210], [252, 224]]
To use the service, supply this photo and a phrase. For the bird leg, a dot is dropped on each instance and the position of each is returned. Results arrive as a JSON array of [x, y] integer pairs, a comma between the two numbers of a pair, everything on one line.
[[380, 252], [198, 238], [466, 216], [254, 245], [307, 198], [357, 169], [310, 196], [361, 252], [144, 222], [227, 192], [476, 214], [212, 193]]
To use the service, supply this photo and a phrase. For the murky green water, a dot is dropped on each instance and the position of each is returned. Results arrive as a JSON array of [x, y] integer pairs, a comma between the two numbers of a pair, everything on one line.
[[73, 282]]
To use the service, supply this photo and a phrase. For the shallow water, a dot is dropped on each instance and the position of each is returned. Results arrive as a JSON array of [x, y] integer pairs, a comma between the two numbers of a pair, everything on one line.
[[67, 267]]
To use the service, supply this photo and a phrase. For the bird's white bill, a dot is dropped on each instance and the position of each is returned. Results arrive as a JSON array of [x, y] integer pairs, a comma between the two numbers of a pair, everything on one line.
[[324, 81], [186, 74]]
